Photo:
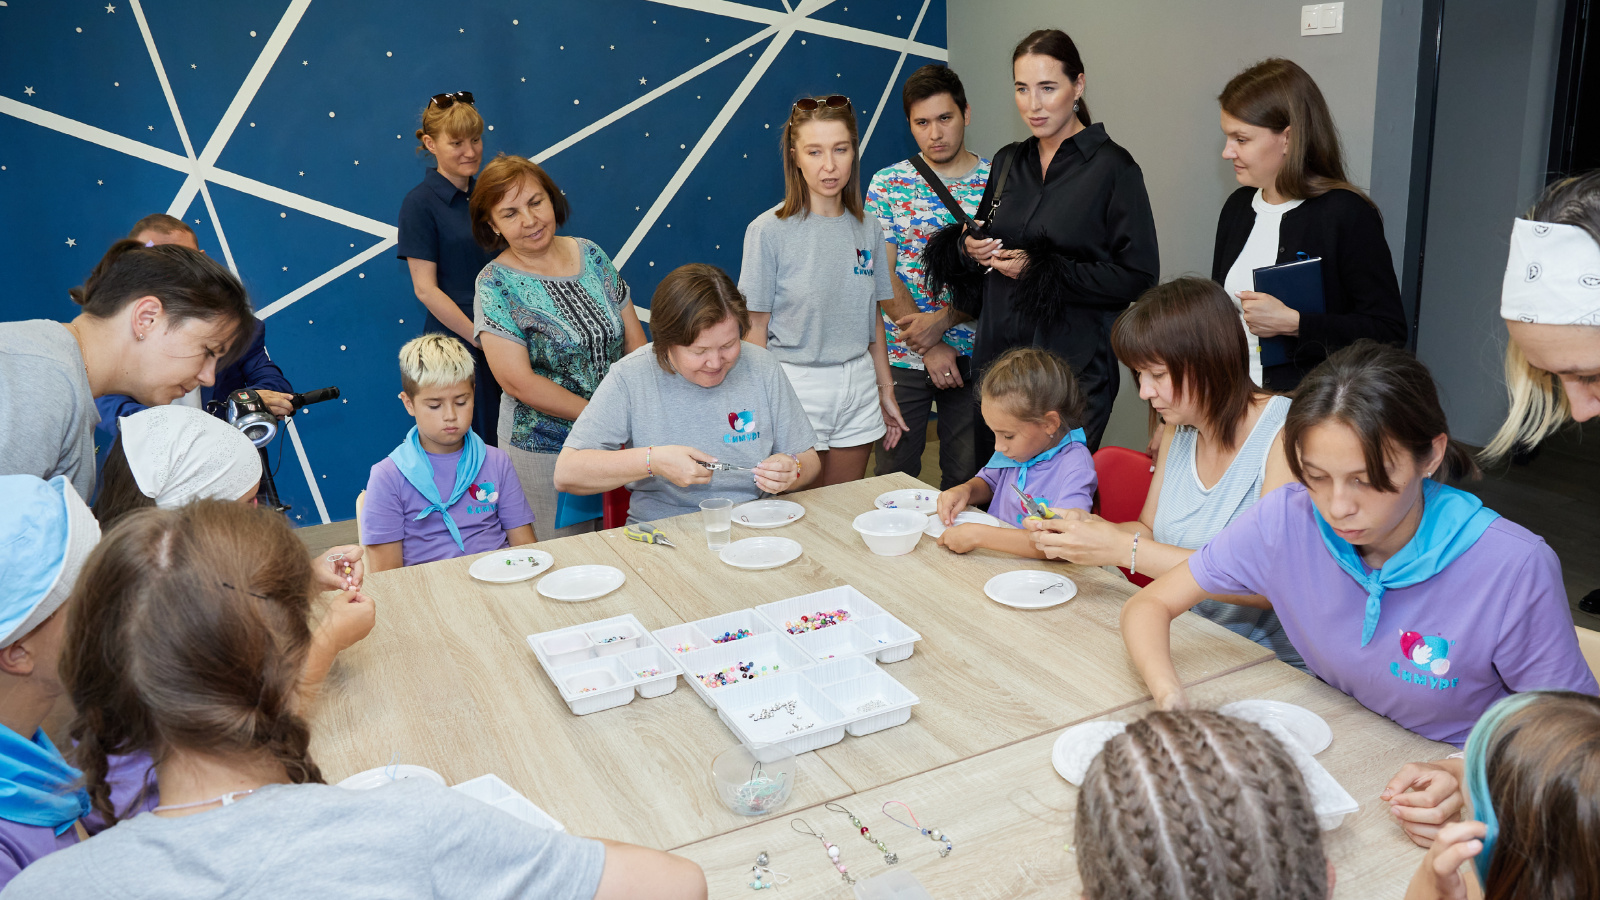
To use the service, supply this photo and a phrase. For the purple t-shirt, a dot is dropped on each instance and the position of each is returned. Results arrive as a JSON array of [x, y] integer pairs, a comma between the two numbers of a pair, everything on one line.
[[1494, 622], [21, 845], [1065, 481], [491, 507]]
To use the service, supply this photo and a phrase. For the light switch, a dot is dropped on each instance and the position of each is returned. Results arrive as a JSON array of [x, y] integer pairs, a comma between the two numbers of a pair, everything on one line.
[[1332, 18], [1322, 18], [1310, 19]]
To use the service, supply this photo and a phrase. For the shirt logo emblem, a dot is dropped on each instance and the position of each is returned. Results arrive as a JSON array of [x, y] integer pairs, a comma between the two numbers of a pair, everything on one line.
[[863, 261], [743, 425], [1428, 654], [483, 492]]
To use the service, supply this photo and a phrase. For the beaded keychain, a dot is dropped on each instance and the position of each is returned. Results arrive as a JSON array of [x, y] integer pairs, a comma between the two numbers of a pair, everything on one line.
[[933, 834], [833, 851], [888, 857], [762, 877]]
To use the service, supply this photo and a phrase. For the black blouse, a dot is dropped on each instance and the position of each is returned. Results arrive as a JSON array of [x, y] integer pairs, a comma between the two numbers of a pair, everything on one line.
[[1360, 294], [1091, 243]]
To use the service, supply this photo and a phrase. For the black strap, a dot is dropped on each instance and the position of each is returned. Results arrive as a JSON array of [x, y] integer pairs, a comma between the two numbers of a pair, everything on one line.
[[986, 210], [939, 190]]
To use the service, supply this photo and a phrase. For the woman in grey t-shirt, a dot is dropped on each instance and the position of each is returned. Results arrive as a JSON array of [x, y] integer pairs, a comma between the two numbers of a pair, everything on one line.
[[156, 321], [813, 279], [196, 659]]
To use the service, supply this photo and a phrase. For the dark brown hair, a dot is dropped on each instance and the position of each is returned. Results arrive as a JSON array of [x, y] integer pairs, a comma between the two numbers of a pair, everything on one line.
[[1190, 326], [1276, 94], [932, 80], [1054, 43], [187, 630], [189, 284], [1543, 774], [1030, 382], [119, 492], [160, 223], [796, 194], [1388, 398], [1197, 804], [500, 177], [689, 300]]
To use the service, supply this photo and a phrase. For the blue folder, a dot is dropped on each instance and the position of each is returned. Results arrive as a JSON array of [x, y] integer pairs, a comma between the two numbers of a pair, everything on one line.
[[1299, 285]]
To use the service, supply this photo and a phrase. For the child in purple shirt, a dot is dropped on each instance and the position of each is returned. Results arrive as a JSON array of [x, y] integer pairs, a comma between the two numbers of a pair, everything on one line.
[[442, 493], [1399, 590], [1031, 402]]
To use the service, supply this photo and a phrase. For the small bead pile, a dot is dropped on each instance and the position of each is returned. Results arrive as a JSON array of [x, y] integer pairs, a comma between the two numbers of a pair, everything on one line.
[[587, 690], [817, 620], [613, 639], [871, 705], [683, 648], [731, 636], [734, 674], [769, 711], [647, 673], [510, 561]]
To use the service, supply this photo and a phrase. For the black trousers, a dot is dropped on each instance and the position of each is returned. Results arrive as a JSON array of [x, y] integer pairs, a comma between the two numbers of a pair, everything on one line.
[[958, 407]]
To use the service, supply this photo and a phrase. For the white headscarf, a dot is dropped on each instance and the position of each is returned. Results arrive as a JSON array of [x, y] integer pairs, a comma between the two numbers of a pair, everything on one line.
[[1552, 275], [178, 454]]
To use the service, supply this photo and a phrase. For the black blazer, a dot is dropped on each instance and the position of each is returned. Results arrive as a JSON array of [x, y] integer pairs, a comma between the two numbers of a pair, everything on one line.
[[1359, 288]]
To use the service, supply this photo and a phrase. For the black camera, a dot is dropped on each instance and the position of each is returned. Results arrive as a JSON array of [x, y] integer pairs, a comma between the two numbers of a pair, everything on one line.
[[250, 414]]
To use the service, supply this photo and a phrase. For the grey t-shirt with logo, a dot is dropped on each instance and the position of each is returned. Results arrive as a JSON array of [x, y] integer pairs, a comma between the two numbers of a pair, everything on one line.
[[751, 415], [821, 280]]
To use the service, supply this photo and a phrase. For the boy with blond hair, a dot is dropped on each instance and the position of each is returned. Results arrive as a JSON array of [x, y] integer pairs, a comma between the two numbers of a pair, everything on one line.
[[443, 492]]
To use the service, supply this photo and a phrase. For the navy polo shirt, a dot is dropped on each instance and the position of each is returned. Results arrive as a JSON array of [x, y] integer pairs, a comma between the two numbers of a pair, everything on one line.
[[436, 225]]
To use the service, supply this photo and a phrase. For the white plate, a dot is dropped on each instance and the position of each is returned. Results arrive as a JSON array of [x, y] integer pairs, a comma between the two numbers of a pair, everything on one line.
[[767, 513], [494, 569], [966, 516], [576, 583], [1079, 745], [760, 552], [1021, 589], [371, 778], [1309, 729], [922, 500]]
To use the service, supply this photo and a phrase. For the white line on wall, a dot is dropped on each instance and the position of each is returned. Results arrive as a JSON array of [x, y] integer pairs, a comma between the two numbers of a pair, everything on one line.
[[326, 277], [893, 78], [810, 26], [305, 468]]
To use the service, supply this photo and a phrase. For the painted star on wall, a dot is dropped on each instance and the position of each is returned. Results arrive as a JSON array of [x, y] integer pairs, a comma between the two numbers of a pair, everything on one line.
[[28, 90], [72, 242]]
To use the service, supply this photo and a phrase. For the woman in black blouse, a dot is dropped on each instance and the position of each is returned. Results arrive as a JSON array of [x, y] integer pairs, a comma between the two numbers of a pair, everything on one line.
[[1296, 199], [1072, 241]]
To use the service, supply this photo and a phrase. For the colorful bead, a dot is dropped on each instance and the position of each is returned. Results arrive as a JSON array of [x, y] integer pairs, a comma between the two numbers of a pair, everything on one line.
[[732, 636], [816, 620]]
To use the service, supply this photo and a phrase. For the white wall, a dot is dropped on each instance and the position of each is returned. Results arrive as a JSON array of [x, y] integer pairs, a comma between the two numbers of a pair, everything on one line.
[[1153, 71]]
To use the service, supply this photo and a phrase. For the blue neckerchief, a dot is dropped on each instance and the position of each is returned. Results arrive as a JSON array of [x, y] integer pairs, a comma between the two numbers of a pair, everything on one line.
[[35, 783], [1001, 461], [413, 463], [1452, 521], [574, 508]]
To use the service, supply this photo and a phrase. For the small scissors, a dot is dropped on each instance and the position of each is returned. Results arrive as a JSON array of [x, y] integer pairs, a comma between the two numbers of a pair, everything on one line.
[[1035, 508], [645, 533]]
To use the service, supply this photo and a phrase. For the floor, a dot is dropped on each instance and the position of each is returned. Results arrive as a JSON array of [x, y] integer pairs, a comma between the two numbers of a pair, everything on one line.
[[1556, 496]]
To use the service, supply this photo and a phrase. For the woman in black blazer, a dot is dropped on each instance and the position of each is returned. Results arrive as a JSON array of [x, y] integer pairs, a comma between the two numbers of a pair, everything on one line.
[[1296, 199]]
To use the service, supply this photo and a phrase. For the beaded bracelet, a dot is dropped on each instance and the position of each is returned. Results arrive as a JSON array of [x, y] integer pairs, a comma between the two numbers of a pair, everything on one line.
[[647, 472], [1133, 555], [798, 467]]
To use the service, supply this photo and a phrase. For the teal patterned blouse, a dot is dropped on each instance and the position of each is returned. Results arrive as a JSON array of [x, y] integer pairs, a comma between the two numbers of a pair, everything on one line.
[[572, 327]]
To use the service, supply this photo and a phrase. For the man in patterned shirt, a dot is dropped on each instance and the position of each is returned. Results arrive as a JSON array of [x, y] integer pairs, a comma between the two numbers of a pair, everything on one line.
[[929, 342]]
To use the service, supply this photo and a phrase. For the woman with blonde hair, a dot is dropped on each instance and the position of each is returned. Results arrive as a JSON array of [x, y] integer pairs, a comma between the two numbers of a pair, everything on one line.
[[1296, 202], [813, 276], [436, 238]]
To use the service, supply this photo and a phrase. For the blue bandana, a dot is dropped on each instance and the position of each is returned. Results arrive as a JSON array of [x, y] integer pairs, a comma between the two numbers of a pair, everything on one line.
[[1452, 521], [35, 783], [1001, 461], [412, 461]]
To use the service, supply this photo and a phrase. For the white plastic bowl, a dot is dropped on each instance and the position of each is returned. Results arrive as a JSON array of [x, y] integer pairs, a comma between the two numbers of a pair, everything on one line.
[[891, 532]]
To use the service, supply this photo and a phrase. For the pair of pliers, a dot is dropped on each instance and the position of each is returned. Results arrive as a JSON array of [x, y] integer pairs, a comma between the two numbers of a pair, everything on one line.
[[645, 533], [726, 467], [1036, 509]]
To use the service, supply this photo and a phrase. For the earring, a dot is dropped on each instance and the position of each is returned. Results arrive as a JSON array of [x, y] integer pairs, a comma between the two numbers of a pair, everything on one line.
[[141, 335], [1074, 106]]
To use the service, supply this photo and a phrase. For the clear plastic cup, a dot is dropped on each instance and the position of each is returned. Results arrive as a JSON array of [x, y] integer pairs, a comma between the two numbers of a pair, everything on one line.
[[750, 787], [717, 515]]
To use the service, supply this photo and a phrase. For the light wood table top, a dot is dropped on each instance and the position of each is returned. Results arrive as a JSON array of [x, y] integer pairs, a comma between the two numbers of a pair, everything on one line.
[[1010, 816], [987, 675]]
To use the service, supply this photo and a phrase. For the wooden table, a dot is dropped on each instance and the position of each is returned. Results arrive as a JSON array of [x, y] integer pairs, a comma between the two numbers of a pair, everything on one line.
[[447, 681]]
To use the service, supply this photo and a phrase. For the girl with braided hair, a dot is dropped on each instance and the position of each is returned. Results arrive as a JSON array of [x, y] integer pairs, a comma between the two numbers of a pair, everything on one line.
[[186, 639], [1194, 805]]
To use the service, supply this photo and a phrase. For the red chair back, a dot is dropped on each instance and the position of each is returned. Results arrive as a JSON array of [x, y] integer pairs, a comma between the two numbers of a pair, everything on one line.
[[616, 507], [1124, 477]]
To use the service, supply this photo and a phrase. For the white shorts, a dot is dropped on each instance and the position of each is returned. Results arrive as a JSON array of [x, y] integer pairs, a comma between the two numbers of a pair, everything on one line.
[[841, 401]]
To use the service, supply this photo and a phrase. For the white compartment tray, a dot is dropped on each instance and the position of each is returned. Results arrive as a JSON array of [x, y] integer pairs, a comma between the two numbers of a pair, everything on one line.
[[892, 639], [849, 695], [601, 665], [491, 790]]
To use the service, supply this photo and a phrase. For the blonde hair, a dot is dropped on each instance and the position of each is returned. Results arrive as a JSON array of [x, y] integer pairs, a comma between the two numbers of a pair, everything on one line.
[[456, 120], [796, 195], [1539, 408], [434, 360]]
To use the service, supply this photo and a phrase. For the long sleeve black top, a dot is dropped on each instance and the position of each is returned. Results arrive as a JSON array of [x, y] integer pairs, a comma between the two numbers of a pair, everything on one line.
[[1361, 296], [1091, 240]]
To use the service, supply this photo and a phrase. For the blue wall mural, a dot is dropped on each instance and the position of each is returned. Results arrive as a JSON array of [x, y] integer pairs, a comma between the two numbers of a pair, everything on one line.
[[283, 133]]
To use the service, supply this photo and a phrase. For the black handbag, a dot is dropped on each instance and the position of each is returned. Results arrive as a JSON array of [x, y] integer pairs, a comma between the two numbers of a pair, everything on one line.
[[945, 263]]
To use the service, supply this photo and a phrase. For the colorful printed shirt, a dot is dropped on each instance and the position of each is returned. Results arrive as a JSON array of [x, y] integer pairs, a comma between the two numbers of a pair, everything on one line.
[[571, 325], [910, 213]]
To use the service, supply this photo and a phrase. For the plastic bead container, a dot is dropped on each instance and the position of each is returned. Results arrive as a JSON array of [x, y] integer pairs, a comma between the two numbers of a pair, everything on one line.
[[601, 665]]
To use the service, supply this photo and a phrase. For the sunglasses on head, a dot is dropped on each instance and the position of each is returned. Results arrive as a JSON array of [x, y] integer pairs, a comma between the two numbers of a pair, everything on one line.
[[812, 104], [445, 101]]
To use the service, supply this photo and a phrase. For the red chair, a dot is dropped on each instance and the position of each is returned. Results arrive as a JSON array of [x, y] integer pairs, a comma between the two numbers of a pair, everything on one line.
[[1124, 477], [616, 508]]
